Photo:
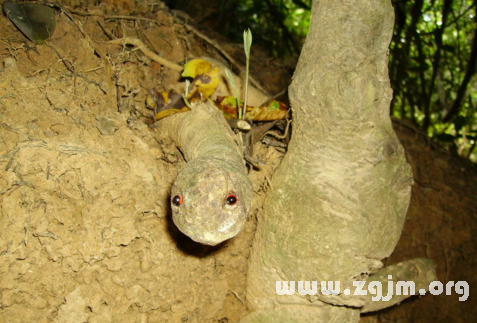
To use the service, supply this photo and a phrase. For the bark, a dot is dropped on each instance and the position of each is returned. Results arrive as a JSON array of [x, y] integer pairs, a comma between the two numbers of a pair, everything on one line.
[[420, 271], [340, 196]]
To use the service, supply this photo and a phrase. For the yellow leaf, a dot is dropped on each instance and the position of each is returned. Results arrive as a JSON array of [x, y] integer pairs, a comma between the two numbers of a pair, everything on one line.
[[204, 84], [151, 102], [169, 112], [196, 67]]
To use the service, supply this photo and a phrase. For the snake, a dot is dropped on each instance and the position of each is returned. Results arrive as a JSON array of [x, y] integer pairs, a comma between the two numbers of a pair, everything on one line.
[[212, 194]]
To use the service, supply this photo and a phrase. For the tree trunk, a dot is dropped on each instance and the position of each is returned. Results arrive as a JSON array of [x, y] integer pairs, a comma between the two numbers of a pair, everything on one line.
[[339, 198]]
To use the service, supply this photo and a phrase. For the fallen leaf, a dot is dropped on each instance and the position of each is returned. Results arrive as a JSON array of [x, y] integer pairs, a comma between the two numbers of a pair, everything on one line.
[[196, 67], [204, 85], [169, 112], [269, 111]]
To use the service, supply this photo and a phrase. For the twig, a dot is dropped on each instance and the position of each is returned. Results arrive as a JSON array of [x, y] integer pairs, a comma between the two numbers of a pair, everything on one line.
[[130, 18], [255, 163], [46, 234], [105, 31], [269, 182], [27, 228], [87, 14], [70, 68], [118, 94], [90, 41], [15, 185], [94, 69], [238, 297], [274, 134], [140, 45], [417, 131]]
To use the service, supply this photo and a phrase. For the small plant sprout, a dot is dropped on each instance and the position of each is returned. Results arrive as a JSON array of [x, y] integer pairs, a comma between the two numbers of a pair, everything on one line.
[[186, 94], [232, 83], [247, 43]]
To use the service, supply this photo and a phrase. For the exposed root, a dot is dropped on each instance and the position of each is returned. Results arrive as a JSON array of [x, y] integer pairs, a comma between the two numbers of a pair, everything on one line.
[[149, 53]]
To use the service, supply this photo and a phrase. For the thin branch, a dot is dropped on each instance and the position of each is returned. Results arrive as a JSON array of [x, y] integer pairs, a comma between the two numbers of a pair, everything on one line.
[[471, 149], [435, 64], [275, 13], [469, 73], [456, 19], [149, 53], [404, 53], [397, 55], [302, 4], [422, 64]]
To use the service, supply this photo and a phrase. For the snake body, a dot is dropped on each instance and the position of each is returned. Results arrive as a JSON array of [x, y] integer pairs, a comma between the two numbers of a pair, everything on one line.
[[212, 195]]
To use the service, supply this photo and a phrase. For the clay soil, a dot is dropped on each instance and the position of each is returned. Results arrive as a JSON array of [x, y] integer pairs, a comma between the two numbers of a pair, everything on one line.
[[85, 228]]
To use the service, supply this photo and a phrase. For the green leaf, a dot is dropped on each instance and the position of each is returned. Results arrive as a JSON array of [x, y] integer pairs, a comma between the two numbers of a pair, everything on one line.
[[247, 42]]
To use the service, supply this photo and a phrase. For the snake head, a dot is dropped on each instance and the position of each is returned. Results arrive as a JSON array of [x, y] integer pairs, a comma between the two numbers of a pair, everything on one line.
[[211, 199]]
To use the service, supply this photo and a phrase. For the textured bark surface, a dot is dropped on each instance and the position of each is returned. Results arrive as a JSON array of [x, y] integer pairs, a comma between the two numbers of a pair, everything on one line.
[[340, 196], [421, 271]]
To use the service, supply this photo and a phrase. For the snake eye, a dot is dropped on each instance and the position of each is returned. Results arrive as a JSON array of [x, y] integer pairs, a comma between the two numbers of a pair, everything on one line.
[[231, 199], [177, 200]]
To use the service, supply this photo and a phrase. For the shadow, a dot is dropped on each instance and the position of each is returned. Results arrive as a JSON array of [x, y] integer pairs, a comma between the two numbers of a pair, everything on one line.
[[186, 244]]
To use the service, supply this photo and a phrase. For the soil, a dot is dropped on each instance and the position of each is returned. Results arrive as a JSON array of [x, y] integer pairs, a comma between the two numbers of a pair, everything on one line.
[[85, 228]]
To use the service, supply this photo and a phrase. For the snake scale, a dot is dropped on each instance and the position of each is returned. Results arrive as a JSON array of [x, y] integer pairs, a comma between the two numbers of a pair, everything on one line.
[[212, 195]]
